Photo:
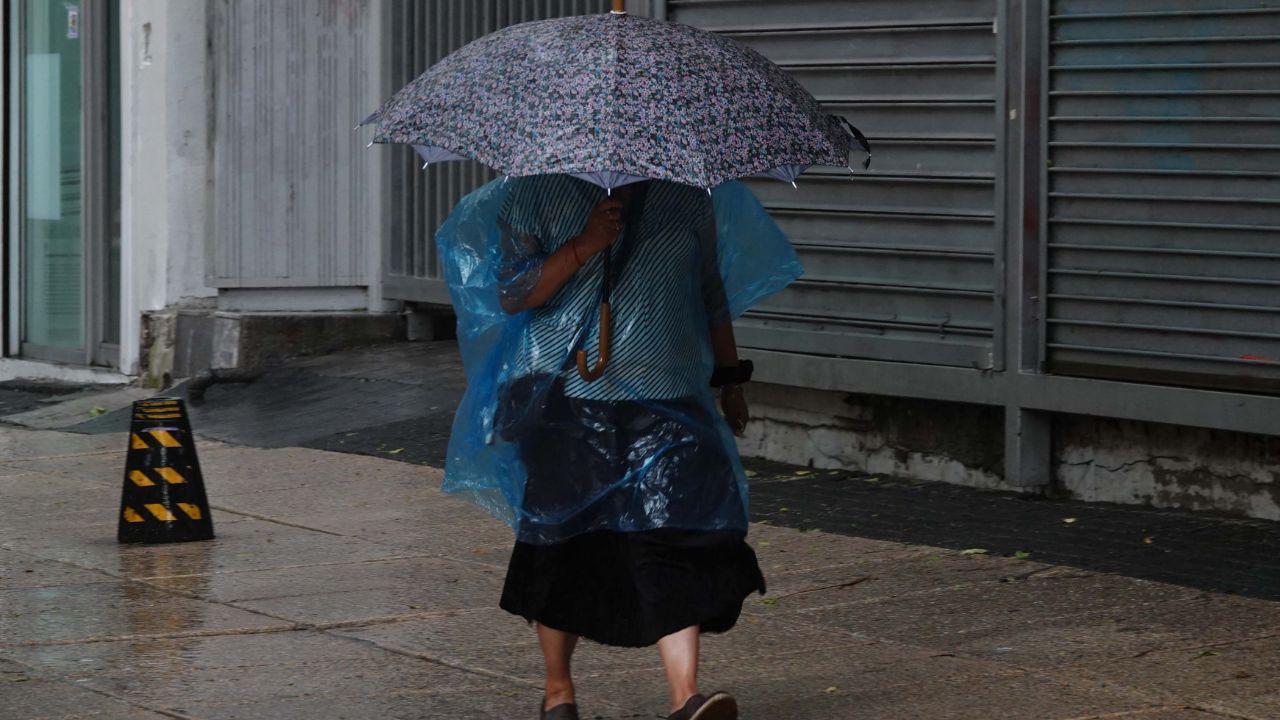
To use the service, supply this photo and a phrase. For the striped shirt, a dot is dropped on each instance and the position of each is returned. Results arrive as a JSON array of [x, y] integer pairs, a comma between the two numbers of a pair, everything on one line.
[[667, 291]]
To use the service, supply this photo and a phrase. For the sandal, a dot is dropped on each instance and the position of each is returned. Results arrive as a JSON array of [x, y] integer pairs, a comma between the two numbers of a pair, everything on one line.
[[563, 711], [719, 706]]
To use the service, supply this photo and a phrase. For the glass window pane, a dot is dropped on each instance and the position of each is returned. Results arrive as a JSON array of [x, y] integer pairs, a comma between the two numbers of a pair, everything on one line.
[[53, 248]]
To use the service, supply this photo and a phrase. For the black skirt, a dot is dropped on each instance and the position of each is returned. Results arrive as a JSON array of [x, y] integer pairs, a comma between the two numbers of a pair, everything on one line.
[[633, 588], [630, 588]]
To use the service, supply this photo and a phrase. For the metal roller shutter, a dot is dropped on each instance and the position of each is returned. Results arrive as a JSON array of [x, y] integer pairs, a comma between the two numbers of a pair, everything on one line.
[[290, 201], [1164, 206], [899, 261], [421, 33]]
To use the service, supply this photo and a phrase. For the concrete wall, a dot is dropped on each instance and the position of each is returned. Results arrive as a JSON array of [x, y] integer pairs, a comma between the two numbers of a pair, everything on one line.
[[925, 439], [1168, 466], [171, 66], [1094, 459]]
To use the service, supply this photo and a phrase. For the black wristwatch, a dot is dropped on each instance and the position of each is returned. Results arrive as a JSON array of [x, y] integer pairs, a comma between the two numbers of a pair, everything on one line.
[[732, 375]]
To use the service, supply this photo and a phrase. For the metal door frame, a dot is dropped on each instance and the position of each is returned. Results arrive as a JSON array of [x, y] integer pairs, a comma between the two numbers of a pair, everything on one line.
[[93, 153]]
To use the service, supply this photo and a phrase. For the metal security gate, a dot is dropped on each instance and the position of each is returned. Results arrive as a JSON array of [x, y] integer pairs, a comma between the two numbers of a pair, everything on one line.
[[900, 261], [420, 33], [1164, 191]]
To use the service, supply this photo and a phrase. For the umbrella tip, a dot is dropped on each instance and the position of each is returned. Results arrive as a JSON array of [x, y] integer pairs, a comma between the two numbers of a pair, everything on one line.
[[369, 145], [424, 165], [794, 186]]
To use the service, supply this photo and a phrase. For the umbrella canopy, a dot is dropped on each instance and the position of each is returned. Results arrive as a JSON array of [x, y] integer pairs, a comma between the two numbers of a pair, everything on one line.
[[615, 99]]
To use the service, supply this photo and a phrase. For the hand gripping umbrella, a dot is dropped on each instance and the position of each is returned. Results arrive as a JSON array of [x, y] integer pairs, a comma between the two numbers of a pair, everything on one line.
[[615, 99]]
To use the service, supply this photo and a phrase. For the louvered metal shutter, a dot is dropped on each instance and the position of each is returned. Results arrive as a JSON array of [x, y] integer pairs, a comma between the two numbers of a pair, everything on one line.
[[290, 193], [422, 33], [899, 261], [1164, 205]]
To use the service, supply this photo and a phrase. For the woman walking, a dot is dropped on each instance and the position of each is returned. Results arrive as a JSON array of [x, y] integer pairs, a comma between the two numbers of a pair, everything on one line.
[[621, 476], [628, 497]]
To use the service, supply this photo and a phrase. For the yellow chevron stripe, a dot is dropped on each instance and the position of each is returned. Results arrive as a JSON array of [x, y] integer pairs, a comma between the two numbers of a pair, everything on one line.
[[161, 512], [165, 438], [136, 443], [192, 511], [131, 516], [159, 416], [139, 478], [158, 403], [170, 475]]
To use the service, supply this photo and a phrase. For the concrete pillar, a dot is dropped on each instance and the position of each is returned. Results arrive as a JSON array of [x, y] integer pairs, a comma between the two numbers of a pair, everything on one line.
[[165, 157]]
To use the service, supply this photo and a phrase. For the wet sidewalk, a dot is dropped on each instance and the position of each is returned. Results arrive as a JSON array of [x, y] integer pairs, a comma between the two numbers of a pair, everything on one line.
[[348, 586]]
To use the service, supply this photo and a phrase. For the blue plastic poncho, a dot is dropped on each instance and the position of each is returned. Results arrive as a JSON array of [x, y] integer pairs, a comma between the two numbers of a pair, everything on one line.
[[643, 446]]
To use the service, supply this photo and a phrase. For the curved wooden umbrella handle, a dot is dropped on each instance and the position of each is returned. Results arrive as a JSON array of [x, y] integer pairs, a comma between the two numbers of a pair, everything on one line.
[[606, 333]]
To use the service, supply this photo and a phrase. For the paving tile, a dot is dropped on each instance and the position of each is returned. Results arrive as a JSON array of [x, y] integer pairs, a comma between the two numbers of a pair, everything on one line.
[[874, 680], [293, 668], [498, 700], [332, 576], [437, 634], [789, 549], [41, 699], [20, 443], [1262, 707], [425, 586], [879, 577], [1061, 642], [943, 619], [76, 408], [230, 675], [239, 544], [112, 609], [1226, 673], [494, 640], [39, 491], [18, 570], [1173, 714], [161, 656], [1206, 617], [266, 471], [1125, 632], [102, 469], [186, 690]]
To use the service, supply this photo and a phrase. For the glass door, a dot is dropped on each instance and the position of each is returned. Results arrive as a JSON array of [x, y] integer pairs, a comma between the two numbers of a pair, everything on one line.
[[67, 266]]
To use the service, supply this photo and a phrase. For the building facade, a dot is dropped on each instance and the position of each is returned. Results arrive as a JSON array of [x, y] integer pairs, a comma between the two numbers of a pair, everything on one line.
[[1062, 270]]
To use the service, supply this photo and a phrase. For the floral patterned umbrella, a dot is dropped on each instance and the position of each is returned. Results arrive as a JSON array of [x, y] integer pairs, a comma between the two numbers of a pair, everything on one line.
[[614, 99]]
